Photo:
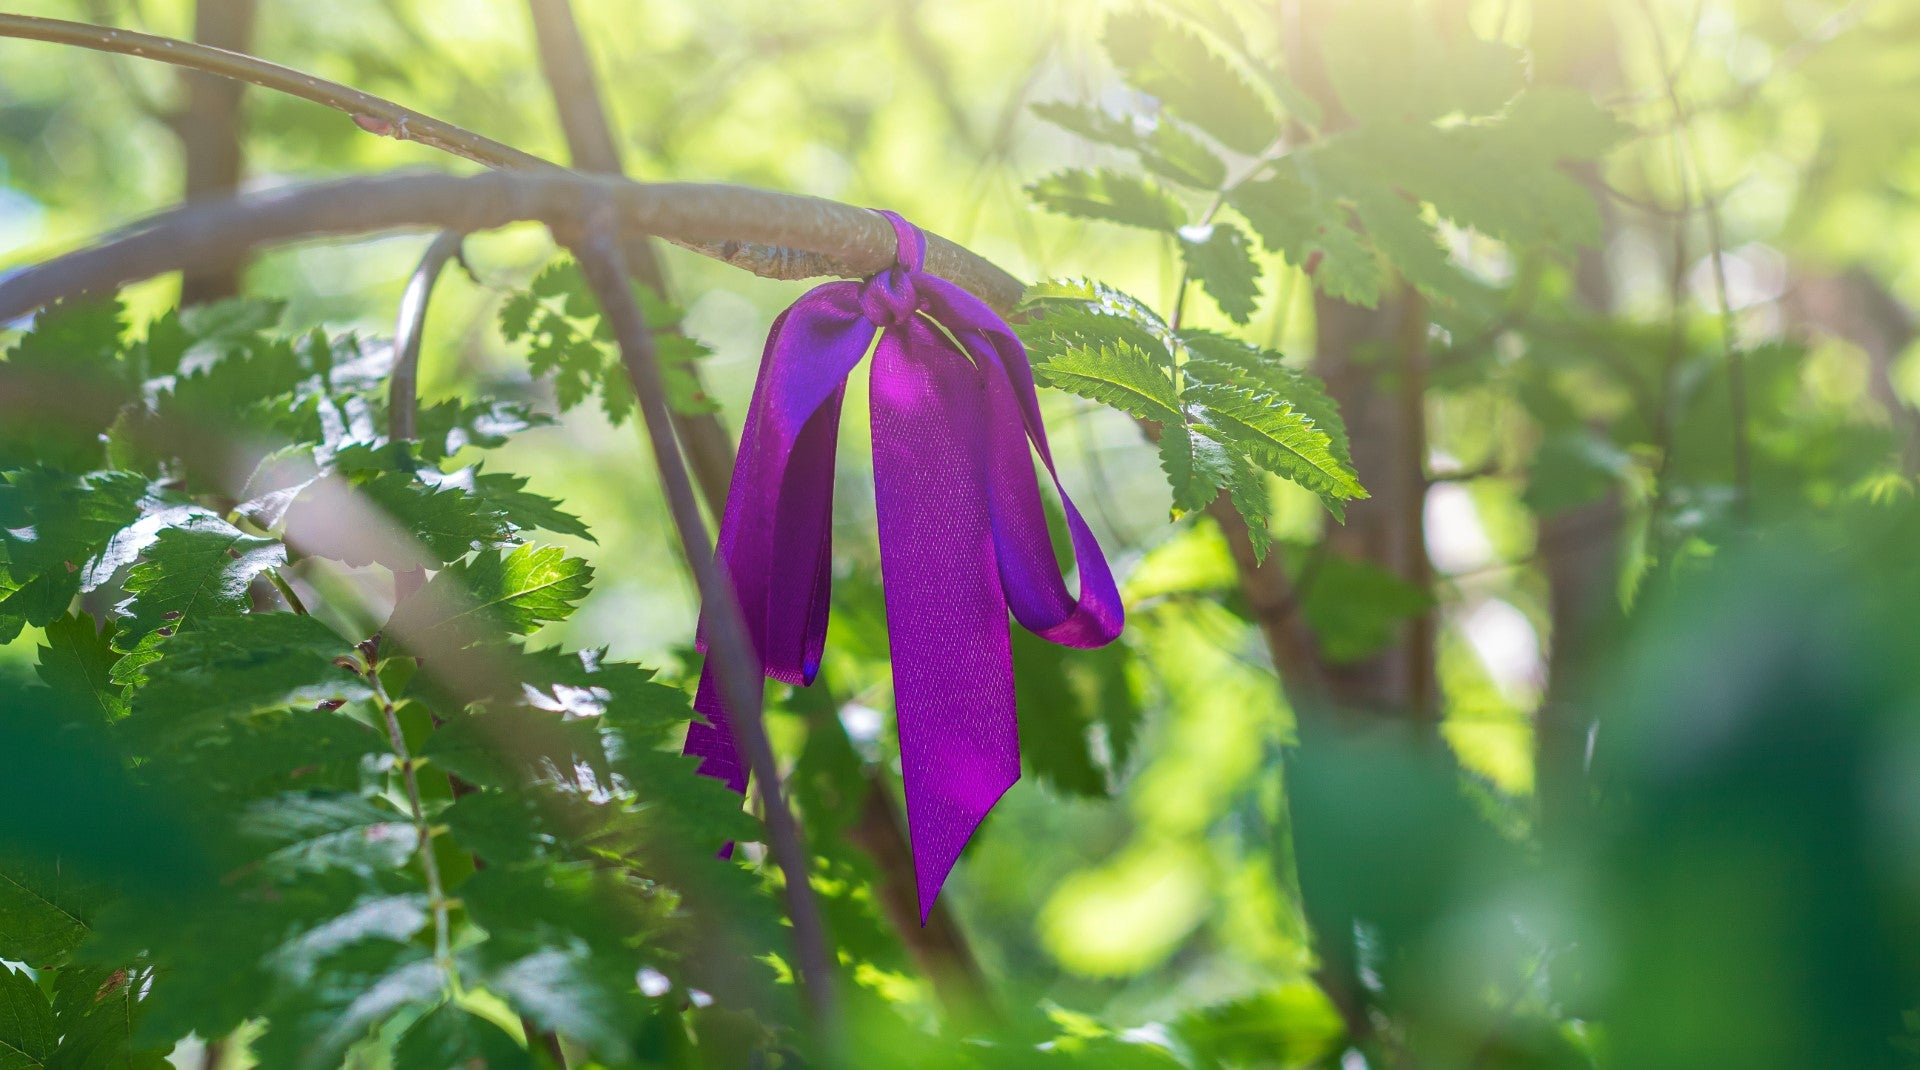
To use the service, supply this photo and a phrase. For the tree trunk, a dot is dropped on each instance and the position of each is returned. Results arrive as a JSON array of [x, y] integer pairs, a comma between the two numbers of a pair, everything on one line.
[[210, 130]]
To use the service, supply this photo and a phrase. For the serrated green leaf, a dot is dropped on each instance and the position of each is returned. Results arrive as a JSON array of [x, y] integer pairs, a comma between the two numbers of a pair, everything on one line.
[[1391, 63], [1110, 195], [524, 509], [237, 666], [27, 1036], [1408, 242], [508, 748], [1247, 490], [78, 663], [1164, 148], [1170, 63], [70, 342], [1061, 327], [190, 574], [445, 522], [554, 954], [1276, 437], [1219, 359], [447, 427], [1494, 177], [51, 523], [314, 833], [1197, 467], [1116, 375], [1221, 261], [1295, 219], [45, 910], [359, 990], [519, 591], [96, 1011], [449, 1036]]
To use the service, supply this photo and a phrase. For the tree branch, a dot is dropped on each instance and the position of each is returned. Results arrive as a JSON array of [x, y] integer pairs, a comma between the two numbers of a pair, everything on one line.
[[855, 242], [403, 384], [733, 656], [760, 256]]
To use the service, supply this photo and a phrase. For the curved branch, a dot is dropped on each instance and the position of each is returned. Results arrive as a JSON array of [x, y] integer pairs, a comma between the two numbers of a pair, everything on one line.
[[403, 385], [841, 239], [767, 257]]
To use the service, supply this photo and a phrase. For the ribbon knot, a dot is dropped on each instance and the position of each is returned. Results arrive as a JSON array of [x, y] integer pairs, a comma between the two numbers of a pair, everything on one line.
[[963, 533], [889, 299]]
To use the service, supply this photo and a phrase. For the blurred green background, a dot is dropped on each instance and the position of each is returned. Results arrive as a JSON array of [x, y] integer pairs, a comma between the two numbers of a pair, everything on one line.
[[1716, 860]]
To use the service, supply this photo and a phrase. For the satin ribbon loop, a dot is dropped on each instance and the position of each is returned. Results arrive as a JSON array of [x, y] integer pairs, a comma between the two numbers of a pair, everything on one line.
[[962, 527]]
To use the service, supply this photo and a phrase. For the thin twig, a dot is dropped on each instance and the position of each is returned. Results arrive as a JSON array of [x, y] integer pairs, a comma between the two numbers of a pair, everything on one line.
[[386, 118], [403, 384], [1689, 158], [732, 656]]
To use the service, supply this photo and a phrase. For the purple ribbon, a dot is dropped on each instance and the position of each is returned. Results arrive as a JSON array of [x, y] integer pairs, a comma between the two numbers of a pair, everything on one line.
[[963, 533]]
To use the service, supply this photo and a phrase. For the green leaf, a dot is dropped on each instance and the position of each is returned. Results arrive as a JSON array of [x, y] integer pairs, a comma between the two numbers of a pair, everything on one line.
[[558, 949], [1408, 242], [1295, 219], [27, 1036], [1279, 438], [319, 832], [520, 591], [1165, 148], [1197, 467], [359, 990], [202, 333], [193, 573], [1247, 490], [78, 663], [1057, 328], [449, 1036], [1065, 695], [1116, 375], [1219, 359], [1110, 195], [1290, 1025], [447, 427], [238, 666], [96, 1010], [1170, 63], [70, 342], [51, 523], [1220, 260], [445, 522], [1394, 63], [524, 509], [508, 748], [45, 910], [1355, 608]]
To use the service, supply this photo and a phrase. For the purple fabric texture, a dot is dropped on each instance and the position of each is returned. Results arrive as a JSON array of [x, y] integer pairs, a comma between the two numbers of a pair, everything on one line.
[[963, 533]]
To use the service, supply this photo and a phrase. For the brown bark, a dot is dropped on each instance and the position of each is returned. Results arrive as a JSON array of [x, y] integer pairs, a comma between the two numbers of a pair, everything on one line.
[[210, 134]]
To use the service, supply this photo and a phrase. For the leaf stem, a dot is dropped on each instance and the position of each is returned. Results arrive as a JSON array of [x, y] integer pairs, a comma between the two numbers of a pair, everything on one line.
[[286, 591], [436, 891]]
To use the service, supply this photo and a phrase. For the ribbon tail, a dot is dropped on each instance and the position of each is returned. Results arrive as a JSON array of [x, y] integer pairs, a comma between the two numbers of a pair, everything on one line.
[[775, 546], [946, 613]]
